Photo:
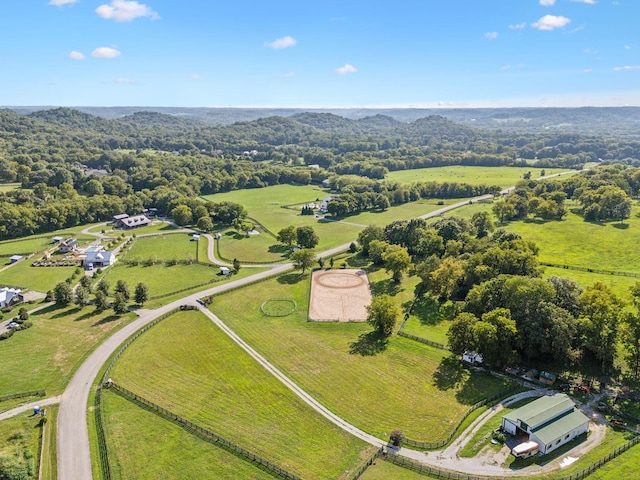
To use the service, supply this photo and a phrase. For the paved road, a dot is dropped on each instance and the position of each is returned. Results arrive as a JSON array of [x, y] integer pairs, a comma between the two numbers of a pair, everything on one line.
[[29, 406]]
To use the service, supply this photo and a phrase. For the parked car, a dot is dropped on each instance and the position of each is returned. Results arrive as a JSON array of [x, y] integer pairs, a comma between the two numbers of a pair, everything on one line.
[[13, 325]]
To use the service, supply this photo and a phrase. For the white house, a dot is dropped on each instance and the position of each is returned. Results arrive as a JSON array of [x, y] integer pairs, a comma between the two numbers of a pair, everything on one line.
[[472, 357], [10, 296], [133, 222], [550, 422], [99, 259], [224, 270], [15, 258], [323, 205]]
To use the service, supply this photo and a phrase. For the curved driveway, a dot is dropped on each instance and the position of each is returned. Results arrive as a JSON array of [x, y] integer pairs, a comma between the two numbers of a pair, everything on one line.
[[74, 455]]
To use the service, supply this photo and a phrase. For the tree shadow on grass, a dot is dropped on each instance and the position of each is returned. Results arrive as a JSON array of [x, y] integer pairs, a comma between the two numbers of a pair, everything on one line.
[[388, 287], [109, 319], [66, 311], [279, 248], [621, 226], [449, 374], [86, 315], [369, 344], [291, 278], [431, 312], [358, 261]]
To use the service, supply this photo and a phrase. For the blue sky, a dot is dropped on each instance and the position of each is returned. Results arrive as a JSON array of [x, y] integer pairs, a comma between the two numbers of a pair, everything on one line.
[[301, 53]]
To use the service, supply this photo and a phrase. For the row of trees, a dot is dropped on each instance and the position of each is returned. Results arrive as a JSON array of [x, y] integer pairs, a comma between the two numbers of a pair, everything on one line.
[[64, 295]]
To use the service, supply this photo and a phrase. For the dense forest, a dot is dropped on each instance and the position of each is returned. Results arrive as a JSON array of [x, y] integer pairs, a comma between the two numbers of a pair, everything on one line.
[[77, 168]]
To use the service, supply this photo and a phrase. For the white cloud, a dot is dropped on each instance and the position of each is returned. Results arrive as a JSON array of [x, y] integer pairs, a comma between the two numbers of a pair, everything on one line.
[[518, 26], [505, 67], [627, 68], [491, 35], [125, 11], [126, 81], [346, 69], [59, 3], [627, 47], [547, 3], [289, 75], [194, 76], [590, 2], [73, 55], [588, 70], [105, 52], [551, 22], [280, 43]]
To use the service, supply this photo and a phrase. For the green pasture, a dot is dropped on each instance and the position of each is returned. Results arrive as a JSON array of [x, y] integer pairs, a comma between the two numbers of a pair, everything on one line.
[[20, 440], [376, 384], [176, 246], [383, 470], [573, 241], [40, 279], [189, 366], [619, 284], [163, 280], [429, 319], [624, 466], [47, 354], [158, 226], [26, 245], [8, 187], [143, 445], [406, 211], [252, 248], [6, 405], [502, 176], [49, 465]]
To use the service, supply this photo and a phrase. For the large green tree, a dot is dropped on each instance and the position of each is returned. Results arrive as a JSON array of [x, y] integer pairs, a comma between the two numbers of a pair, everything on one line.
[[396, 260], [303, 259], [306, 237], [287, 235], [383, 314], [63, 294]]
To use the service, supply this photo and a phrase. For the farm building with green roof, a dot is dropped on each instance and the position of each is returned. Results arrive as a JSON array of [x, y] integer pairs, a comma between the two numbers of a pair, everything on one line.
[[550, 421]]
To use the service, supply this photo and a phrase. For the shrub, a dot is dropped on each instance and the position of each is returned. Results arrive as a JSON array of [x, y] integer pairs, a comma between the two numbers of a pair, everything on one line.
[[396, 438], [7, 334], [353, 248], [498, 436]]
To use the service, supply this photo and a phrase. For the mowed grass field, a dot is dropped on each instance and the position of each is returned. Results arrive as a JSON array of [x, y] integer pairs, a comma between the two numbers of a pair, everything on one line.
[[174, 246], [572, 241], [20, 435], [502, 176], [143, 446], [377, 386], [189, 366], [40, 279], [46, 355]]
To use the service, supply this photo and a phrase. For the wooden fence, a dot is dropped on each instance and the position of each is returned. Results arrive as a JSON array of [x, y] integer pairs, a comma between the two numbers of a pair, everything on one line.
[[431, 445], [203, 433], [103, 451], [35, 393]]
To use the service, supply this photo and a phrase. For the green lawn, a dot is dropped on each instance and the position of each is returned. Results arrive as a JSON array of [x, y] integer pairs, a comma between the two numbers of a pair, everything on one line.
[[8, 187], [502, 176], [175, 246], [573, 241], [20, 441], [26, 245], [189, 366], [40, 279], [46, 355], [622, 467], [406, 211], [430, 320], [377, 386], [143, 445], [252, 248], [165, 279], [382, 470]]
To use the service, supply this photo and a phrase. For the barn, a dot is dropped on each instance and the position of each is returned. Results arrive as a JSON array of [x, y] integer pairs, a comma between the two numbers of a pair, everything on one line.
[[549, 421]]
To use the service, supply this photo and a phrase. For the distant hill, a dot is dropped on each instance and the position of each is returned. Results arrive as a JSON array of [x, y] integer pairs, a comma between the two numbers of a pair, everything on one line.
[[609, 121]]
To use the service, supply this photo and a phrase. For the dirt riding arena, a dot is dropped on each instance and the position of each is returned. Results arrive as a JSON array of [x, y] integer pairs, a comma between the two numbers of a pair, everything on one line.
[[339, 295]]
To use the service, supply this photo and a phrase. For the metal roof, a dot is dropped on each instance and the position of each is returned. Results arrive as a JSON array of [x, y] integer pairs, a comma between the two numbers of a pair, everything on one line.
[[561, 426], [541, 411]]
